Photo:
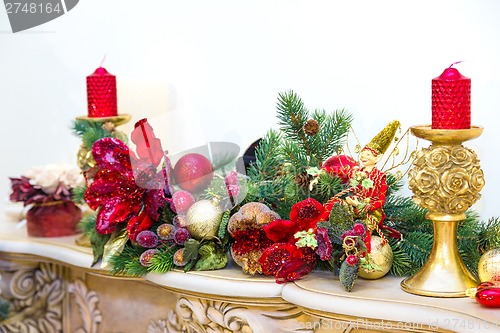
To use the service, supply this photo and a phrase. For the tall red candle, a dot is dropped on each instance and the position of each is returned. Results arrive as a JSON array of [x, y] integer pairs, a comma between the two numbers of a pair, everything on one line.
[[101, 94], [451, 100]]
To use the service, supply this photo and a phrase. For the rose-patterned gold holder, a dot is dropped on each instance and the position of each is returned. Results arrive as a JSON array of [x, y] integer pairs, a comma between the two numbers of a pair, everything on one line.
[[446, 179]]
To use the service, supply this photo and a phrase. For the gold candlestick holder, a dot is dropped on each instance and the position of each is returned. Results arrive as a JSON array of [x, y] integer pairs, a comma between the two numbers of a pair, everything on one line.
[[446, 179]]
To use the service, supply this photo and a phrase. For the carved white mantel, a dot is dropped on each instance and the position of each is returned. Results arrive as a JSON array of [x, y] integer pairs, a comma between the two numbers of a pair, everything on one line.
[[53, 288]]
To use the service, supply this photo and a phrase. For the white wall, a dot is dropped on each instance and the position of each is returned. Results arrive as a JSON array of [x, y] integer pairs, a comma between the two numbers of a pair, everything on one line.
[[211, 70]]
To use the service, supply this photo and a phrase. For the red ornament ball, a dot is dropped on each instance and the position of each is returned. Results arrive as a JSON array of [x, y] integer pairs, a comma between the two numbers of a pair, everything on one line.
[[351, 260], [181, 201], [488, 294], [193, 172]]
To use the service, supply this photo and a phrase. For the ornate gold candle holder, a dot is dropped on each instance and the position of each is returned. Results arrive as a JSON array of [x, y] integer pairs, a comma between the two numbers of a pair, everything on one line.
[[446, 179]]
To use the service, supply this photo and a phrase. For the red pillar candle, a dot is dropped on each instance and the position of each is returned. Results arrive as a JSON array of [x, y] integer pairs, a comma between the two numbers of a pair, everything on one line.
[[101, 94], [451, 100]]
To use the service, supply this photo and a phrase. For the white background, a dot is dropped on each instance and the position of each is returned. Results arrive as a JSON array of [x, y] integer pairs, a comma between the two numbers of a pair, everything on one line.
[[212, 70]]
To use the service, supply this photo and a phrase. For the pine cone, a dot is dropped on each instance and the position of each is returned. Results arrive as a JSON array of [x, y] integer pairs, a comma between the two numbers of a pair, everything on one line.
[[311, 127], [303, 179], [108, 126]]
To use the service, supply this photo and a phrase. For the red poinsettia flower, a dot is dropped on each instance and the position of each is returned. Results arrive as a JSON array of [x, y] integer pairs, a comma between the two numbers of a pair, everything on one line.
[[125, 188], [307, 213], [288, 259]]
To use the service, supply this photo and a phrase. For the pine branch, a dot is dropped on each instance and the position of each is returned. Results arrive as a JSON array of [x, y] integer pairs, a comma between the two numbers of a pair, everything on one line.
[[92, 134], [127, 262], [405, 215], [333, 132], [417, 246], [296, 156], [489, 235], [163, 261], [327, 187], [78, 195], [292, 114], [401, 263], [268, 157], [80, 126]]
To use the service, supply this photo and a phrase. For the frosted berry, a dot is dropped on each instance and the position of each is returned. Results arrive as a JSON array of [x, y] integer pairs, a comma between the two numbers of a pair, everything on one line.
[[181, 235], [179, 221], [146, 256], [166, 231], [181, 201], [147, 239], [359, 229], [179, 258], [351, 260]]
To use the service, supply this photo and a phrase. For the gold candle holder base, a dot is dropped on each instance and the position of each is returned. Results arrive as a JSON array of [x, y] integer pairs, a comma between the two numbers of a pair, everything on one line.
[[446, 179], [116, 120]]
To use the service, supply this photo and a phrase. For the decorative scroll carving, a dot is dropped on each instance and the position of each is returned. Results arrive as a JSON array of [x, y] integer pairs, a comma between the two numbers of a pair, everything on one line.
[[195, 315], [36, 294], [446, 179], [87, 303]]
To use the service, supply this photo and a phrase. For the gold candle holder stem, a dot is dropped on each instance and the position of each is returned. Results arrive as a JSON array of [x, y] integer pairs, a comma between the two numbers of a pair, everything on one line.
[[446, 179]]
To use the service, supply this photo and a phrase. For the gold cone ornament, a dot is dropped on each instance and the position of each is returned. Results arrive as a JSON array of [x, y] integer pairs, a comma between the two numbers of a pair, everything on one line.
[[383, 140]]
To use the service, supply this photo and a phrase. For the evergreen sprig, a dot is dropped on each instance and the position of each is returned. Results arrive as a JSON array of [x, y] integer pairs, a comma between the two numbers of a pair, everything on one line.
[[292, 115], [78, 195], [333, 132], [489, 235], [89, 131], [127, 262], [417, 246], [97, 241], [163, 260]]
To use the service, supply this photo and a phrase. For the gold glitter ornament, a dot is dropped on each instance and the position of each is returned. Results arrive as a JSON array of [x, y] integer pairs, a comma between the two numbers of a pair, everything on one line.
[[85, 160], [203, 219], [380, 256], [383, 140], [488, 267]]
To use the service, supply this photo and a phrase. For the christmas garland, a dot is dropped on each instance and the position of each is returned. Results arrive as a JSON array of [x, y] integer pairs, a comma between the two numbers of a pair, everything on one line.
[[279, 219]]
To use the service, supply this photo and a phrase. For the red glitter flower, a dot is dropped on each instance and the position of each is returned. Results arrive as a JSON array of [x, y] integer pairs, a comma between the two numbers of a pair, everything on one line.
[[126, 188], [284, 259], [287, 262], [281, 231]]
